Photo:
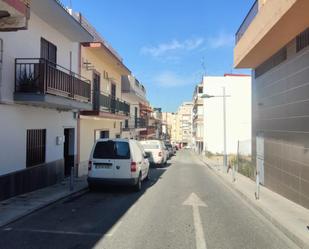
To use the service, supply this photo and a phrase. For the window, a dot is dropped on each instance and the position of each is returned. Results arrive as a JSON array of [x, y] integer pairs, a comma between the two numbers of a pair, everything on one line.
[[48, 51], [112, 150], [272, 62], [36, 147], [302, 40], [200, 89]]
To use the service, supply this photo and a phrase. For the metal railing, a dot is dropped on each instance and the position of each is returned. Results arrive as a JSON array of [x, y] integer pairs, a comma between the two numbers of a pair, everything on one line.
[[247, 21], [135, 123], [40, 76], [112, 104]]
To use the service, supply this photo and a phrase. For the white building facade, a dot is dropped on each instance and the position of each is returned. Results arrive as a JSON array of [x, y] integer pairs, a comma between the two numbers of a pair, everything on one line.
[[40, 96], [237, 109]]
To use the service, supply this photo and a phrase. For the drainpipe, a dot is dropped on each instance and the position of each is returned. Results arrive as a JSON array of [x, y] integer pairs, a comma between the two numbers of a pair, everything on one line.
[[1, 63]]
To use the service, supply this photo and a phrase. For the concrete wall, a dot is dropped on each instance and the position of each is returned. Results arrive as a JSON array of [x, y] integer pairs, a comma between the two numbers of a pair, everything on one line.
[[238, 112], [16, 119], [281, 115], [88, 126], [26, 44]]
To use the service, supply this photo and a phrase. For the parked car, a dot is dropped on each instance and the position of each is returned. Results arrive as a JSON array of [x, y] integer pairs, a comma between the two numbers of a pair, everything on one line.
[[169, 149], [156, 151], [117, 162]]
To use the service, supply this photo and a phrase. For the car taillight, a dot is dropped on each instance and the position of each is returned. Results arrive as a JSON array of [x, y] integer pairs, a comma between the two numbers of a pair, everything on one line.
[[133, 167], [160, 154], [89, 165]]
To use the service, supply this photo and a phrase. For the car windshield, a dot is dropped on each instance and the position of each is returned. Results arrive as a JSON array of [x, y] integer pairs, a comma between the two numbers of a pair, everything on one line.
[[112, 150]]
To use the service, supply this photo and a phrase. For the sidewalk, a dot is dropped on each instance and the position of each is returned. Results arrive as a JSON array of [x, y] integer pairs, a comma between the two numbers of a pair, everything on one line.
[[22, 205], [291, 218]]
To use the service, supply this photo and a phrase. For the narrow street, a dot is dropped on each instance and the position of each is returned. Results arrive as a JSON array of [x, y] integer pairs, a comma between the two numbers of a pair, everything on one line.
[[183, 206]]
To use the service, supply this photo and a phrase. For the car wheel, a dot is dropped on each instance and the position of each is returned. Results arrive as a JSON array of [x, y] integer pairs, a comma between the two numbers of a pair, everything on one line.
[[138, 185]]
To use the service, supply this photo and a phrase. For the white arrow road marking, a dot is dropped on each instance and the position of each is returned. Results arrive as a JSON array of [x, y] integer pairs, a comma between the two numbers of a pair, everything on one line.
[[194, 201]]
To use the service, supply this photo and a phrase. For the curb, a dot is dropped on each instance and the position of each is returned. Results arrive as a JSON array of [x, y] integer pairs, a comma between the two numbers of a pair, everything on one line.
[[296, 239], [41, 206]]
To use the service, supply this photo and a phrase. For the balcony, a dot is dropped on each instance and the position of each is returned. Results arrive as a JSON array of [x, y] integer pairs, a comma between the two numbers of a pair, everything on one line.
[[150, 132], [266, 31], [107, 106], [247, 21], [135, 124], [41, 82]]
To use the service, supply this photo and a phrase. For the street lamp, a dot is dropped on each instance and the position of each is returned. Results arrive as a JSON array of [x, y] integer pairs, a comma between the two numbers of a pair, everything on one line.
[[207, 96]]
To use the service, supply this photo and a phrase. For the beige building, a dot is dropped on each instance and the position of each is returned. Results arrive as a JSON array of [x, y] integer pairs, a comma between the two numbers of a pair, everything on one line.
[[103, 65], [167, 124], [184, 123], [273, 40]]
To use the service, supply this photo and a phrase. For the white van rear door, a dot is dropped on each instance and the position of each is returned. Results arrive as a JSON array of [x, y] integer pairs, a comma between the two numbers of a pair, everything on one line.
[[122, 160], [103, 163]]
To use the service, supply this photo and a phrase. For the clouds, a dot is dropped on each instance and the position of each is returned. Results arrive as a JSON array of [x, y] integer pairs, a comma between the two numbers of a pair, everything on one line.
[[221, 40], [165, 49], [170, 79], [172, 49]]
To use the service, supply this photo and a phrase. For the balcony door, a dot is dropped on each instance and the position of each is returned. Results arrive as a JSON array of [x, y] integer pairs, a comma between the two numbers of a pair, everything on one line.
[[96, 91], [113, 98], [48, 51]]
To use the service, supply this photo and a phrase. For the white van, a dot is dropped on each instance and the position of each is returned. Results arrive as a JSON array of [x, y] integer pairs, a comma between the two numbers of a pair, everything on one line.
[[117, 161], [156, 151]]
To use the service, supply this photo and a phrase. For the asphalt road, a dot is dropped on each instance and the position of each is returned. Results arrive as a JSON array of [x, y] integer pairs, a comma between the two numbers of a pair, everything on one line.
[[183, 206]]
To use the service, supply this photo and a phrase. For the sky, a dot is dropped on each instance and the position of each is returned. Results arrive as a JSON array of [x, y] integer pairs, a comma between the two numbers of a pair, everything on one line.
[[169, 44]]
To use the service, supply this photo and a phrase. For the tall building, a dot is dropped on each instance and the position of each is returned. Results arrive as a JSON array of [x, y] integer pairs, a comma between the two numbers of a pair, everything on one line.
[[167, 124], [198, 119], [237, 112], [184, 116], [273, 40]]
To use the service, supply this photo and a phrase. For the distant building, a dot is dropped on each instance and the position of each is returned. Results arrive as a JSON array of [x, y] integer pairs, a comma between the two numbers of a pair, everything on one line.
[[238, 112], [197, 119], [184, 123], [273, 40]]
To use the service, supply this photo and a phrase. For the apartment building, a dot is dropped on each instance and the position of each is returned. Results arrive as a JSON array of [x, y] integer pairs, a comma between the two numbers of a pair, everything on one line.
[[273, 40], [175, 128], [184, 136], [14, 14], [198, 119], [134, 93], [237, 113], [41, 94], [101, 64], [167, 124]]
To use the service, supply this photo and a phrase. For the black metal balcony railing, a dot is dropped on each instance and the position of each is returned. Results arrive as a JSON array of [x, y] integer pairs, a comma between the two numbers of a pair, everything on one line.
[[40, 76], [112, 104], [247, 21], [135, 123]]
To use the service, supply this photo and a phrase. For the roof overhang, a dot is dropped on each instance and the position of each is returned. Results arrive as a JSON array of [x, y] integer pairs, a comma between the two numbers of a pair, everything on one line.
[[276, 24], [101, 50], [52, 12]]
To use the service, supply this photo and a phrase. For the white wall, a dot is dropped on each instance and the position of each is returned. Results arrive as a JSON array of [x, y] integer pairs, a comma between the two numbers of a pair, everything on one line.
[[26, 44], [16, 119], [238, 112]]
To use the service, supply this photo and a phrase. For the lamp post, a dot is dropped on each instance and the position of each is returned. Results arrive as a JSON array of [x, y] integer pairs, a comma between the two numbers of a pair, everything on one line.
[[207, 96]]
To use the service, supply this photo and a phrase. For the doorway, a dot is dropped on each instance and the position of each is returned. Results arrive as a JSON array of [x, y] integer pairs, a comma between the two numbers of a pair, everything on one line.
[[68, 150]]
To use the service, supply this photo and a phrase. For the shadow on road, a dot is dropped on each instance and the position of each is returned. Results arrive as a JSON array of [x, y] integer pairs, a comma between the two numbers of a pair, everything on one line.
[[78, 222]]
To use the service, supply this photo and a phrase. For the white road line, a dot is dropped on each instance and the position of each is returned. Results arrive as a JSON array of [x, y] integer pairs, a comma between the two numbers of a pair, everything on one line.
[[194, 201], [57, 232]]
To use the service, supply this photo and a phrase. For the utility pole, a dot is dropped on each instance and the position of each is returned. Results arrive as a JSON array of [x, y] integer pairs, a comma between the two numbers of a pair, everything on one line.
[[224, 131]]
